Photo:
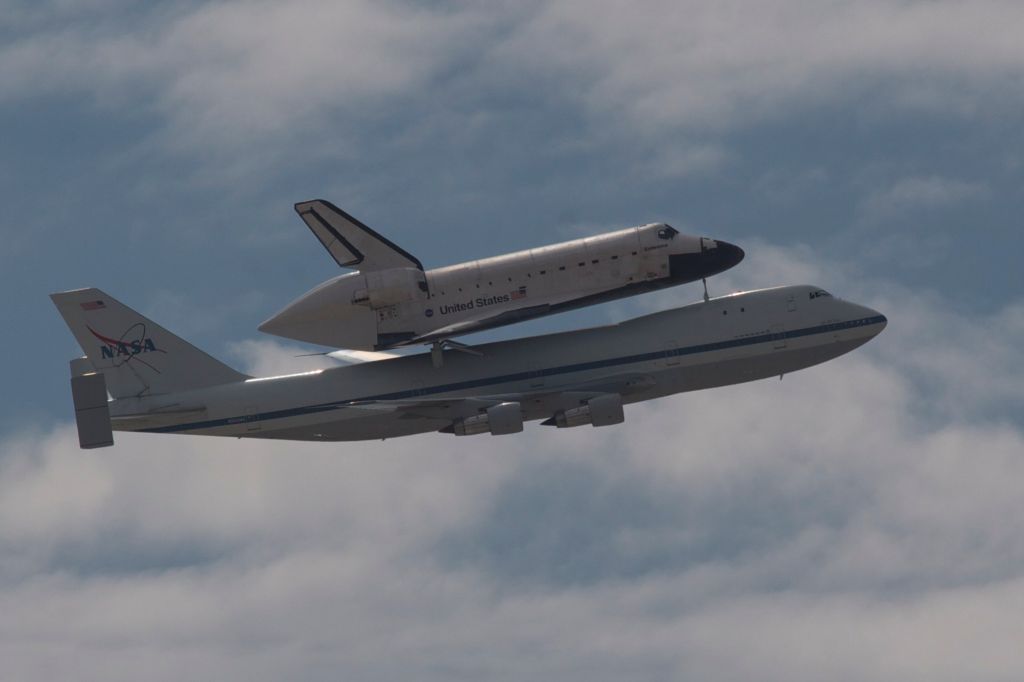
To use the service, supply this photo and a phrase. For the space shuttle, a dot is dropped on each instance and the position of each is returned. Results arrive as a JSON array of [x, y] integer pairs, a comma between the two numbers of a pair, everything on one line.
[[389, 300]]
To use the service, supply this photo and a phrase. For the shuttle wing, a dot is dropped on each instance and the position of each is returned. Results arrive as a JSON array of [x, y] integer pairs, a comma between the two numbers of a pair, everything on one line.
[[351, 243], [467, 326], [554, 304]]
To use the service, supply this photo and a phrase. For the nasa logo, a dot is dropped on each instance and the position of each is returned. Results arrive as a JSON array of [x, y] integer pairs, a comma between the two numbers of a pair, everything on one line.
[[122, 348], [125, 348], [430, 312]]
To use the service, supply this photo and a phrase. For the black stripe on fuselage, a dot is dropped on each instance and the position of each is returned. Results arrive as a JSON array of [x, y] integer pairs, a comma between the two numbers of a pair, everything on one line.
[[520, 376]]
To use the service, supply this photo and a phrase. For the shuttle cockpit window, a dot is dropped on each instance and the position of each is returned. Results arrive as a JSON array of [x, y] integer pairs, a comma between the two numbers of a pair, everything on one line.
[[820, 293], [667, 232]]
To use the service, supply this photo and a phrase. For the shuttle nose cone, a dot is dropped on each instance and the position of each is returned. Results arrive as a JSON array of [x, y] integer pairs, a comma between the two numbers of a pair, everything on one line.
[[729, 254], [723, 256], [713, 257]]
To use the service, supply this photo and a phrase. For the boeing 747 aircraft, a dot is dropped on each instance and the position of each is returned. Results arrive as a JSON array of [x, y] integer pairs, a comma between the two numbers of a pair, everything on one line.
[[392, 301], [161, 384]]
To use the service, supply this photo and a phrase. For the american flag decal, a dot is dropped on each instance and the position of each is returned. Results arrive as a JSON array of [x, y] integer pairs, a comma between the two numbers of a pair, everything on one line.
[[519, 293], [93, 305]]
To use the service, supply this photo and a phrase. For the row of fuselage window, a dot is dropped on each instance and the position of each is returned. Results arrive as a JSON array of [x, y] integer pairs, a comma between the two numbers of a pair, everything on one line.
[[529, 275]]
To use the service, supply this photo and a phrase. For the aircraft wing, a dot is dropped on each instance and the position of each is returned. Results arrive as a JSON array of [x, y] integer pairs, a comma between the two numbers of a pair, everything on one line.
[[535, 404], [351, 243]]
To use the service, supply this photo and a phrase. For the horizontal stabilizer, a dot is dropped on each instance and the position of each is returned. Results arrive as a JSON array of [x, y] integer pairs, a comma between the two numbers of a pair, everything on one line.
[[351, 243], [92, 414]]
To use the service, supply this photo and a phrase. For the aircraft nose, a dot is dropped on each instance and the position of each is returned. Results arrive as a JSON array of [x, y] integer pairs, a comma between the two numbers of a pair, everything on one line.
[[874, 321], [881, 320]]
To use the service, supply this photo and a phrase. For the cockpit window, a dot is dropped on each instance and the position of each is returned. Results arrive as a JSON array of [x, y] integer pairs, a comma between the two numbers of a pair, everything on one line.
[[820, 293], [667, 232]]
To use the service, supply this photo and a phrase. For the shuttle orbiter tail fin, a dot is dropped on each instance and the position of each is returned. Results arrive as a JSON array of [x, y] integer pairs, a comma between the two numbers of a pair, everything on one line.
[[351, 243], [136, 355]]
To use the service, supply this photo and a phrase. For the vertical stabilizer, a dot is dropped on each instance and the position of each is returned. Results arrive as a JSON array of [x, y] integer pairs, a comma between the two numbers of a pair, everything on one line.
[[135, 355], [351, 243]]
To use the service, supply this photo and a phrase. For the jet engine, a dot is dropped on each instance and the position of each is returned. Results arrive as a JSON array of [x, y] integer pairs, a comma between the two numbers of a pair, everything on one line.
[[603, 410], [498, 420]]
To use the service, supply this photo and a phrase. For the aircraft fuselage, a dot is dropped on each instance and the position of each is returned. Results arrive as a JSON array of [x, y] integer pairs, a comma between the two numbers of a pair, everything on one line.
[[727, 340], [379, 309]]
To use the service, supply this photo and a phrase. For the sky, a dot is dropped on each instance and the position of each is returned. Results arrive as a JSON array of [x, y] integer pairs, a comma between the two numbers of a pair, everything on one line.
[[856, 521]]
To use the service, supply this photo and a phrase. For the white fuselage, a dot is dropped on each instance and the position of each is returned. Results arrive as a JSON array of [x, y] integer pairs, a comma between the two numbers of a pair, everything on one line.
[[381, 309], [727, 340]]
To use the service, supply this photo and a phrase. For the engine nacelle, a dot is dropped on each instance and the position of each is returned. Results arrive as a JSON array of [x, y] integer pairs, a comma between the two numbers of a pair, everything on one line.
[[603, 410], [498, 420], [391, 287]]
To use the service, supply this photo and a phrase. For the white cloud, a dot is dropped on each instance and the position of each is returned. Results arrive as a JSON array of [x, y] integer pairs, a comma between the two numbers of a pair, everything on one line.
[[268, 358], [233, 72], [679, 160], [260, 77], [916, 193], [717, 65], [786, 186], [262, 65]]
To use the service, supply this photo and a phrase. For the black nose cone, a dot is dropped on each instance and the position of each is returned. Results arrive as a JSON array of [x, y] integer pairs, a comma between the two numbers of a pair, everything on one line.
[[728, 255], [690, 267]]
